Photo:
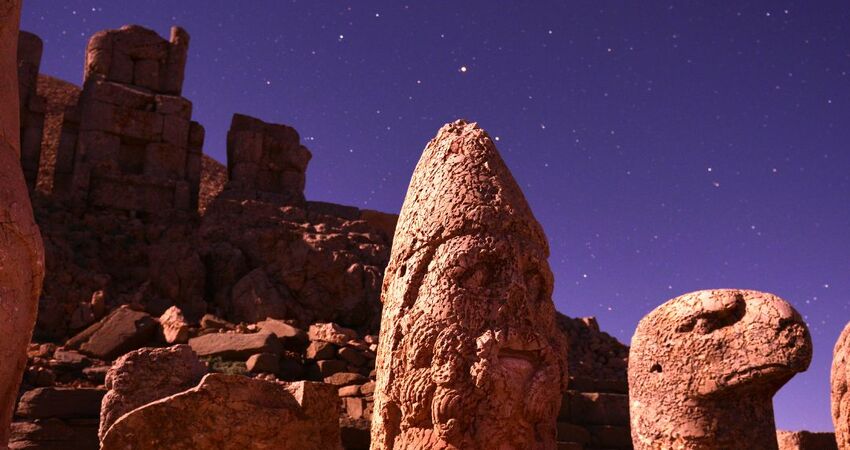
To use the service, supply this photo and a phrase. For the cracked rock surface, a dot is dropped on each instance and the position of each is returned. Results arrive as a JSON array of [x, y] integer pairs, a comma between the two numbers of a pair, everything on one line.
[[703, 369], [469, 355]]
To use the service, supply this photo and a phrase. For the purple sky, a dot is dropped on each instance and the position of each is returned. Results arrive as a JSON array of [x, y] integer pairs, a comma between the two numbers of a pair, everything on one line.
[[665, 147]]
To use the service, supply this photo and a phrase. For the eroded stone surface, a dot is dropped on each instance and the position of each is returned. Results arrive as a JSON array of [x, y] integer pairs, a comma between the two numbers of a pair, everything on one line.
[[840, 384], [703, 369], [234, 412], [21, 248], [805, 440], [469, 356], [146, 375]]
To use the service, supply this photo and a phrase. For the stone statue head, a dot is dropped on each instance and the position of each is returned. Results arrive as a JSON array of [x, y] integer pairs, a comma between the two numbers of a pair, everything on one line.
[[470, 356], [704, 354]]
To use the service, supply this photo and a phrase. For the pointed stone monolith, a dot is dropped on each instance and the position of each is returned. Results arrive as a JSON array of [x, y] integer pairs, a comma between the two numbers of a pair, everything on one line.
[[469, 354], [703, 369]]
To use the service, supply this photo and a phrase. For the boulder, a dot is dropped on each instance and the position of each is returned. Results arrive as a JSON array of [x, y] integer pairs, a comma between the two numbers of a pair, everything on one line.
[[146, 375], [235, 346], [60, 402], [119, 332], [332, 333], [175, 328], [263, 363], [232, 412]]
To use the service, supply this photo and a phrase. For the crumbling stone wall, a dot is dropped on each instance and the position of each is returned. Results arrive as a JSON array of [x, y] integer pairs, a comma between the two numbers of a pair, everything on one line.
[[266, 160], [32, 105], [130, 143]]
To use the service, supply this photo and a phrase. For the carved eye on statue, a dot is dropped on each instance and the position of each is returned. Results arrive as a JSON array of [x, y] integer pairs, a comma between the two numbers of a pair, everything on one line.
[[485, 275], [709, 321]]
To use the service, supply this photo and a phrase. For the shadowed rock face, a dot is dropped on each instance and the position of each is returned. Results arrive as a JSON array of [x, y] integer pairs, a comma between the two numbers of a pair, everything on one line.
[[704, 367], [21, 251], [469, 355], [840, 384]]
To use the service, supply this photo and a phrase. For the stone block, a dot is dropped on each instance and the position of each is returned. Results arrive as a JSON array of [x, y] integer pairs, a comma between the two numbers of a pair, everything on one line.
[[234, 346], [146, 74], [164, 160], [118, 94], [64, 403], [120, 68], [171, 105], [175, 130]]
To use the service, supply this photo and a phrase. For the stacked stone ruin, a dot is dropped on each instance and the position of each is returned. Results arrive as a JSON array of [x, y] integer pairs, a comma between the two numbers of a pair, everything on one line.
[[130, 143], [265, 161]]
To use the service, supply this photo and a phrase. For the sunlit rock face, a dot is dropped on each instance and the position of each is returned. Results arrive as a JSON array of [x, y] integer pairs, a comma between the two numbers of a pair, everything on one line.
[[469, 355], [840, 383], [703, 369]]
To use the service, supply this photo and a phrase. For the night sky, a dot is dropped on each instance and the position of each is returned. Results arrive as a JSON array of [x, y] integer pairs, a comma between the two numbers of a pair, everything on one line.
[[665, 147]]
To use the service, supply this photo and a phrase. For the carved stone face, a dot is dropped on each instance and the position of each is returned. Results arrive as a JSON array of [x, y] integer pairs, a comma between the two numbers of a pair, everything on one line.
[[709, 343], [482, 346], [469, 355]]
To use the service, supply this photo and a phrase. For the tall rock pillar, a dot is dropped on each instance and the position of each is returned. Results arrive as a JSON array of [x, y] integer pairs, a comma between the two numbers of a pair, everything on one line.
[[21, 250]]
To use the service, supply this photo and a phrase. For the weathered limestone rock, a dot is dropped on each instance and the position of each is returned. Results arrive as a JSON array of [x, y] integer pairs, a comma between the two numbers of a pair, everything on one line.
[[805, 440], [703, 369], [469, 355], [233, 412], [266, 160], [147, 375], [21, 248], [840, 385]]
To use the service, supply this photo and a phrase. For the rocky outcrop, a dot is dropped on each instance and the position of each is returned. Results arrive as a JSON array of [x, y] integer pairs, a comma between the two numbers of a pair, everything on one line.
[[266, 161], [146, 375], [131, 143], [227, 412], [840, 389], [21, 250], [469, 355], [703, 369]]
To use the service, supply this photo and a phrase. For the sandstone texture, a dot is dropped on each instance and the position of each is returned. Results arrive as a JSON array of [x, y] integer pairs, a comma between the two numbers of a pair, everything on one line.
[[805, 440], [233, 412], [703, 369], [146, 375], [839, 387], [21, 249], [470, 356]]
